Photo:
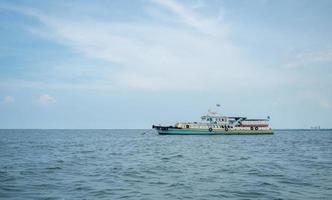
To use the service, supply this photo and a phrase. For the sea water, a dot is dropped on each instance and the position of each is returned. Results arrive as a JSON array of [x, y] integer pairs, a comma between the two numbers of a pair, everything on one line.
[[132, 164]]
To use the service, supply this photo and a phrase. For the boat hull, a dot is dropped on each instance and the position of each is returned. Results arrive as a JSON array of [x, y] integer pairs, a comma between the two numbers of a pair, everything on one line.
[[213, 132]]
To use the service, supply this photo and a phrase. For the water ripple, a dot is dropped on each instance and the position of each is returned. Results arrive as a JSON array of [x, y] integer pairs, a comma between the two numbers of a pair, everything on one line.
[[124, 164]]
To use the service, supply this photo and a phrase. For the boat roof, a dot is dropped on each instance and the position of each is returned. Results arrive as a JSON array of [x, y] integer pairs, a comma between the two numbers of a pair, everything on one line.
[[213, 116], [246, 119]]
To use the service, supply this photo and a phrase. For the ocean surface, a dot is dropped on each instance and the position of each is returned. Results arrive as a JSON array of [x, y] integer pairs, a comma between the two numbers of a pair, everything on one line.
[[128, 164]]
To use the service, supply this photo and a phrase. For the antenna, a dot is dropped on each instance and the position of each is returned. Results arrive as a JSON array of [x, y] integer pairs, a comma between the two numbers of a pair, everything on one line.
[[218, 108]]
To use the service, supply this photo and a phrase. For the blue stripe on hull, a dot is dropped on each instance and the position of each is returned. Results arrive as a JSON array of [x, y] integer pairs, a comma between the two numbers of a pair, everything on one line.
[[207, 132], [189, 132]]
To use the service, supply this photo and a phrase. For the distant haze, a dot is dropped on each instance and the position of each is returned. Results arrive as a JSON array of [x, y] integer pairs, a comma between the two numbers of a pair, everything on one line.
[[129, 64]]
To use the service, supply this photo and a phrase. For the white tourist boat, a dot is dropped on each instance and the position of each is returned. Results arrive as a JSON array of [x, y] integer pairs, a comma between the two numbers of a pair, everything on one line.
[[215, 124]]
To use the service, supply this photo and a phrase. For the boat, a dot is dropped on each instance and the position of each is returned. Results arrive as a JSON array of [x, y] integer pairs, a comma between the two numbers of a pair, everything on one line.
[[215, 124]]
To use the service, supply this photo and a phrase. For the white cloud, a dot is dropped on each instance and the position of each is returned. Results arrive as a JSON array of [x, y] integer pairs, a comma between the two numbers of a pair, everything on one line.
[[304, 58], [8, 99], [193, 52], [324, 103], [188, 17], [46, 99], [317, 97]]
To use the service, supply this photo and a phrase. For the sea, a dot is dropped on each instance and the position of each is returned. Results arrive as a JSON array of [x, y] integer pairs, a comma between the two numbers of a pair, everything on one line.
[[140, 164]]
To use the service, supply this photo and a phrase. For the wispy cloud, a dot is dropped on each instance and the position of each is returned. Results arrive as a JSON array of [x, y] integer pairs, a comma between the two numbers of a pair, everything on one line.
[[46, 99], [209, 25], [325, 103], [316, 97], [8, 100], [308, 58], [192, 53]]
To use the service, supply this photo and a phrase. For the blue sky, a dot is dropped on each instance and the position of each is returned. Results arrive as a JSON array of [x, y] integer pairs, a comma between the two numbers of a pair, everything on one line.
[[128, 64]]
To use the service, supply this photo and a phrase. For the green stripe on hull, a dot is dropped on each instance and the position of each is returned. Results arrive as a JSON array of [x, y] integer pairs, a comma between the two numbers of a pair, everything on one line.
[[214, 132]]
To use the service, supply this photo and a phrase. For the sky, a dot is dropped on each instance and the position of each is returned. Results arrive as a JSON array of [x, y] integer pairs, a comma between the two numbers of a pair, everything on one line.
[[130, 64]]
